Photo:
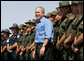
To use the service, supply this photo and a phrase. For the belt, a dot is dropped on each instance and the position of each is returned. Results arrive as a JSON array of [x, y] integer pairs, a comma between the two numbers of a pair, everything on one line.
[[38, 44]]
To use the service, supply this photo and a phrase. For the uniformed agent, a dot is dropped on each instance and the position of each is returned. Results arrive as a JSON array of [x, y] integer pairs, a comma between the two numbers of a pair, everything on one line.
[[75, 12], [65, 22], [32, 36], [24, 40], [12, 44], [2, 43], [77, 45], [72, 31], [19, 43], [6, 34]]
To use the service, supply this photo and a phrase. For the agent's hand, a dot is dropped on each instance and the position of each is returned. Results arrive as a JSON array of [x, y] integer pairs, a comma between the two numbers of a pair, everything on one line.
[[42, 50], [59, 46], [66, 44], [27, 48], [33, 54], [75, 49], [22, 49], [1, 50], [10, 51], [21, 53]]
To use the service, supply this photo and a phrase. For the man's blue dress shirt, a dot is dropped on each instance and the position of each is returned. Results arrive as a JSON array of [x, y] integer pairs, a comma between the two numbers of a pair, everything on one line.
[[43, 29]]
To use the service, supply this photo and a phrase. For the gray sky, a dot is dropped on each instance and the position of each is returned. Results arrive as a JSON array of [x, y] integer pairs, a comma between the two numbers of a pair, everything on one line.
[[21, 11]]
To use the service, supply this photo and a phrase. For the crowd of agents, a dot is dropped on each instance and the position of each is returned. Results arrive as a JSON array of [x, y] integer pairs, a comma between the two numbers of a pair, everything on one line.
[[67, 35]]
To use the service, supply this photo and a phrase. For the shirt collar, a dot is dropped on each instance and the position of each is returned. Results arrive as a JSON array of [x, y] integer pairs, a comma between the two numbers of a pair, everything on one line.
[[40, 20]]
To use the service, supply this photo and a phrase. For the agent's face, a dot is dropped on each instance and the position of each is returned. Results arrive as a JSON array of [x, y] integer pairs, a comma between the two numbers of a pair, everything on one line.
[[21, 30], [38, 13], [28, 29], [74, 9], [5, 35], [14, 31], [64, 10], [2, 37], [57, 17], [80, 8]]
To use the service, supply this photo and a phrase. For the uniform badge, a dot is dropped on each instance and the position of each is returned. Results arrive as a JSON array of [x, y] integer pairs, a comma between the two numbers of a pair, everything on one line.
[[18, 36], [7, 40]]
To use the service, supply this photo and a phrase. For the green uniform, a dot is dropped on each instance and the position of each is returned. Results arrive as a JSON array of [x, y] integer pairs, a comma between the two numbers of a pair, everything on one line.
[[13, 39], [63, 28], [4, 54], [19, 42], [56, 33], [24, 40], [32, 39], [80, 46], [72, 28]]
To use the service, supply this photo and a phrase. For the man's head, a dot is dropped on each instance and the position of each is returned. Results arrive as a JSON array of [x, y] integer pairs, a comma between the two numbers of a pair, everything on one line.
[[6, 33], [58, 16], [39, 13], [28, 28], [49, 16], [32, 23], [74, 7], [64, 7], [21, 28], [14, 29]]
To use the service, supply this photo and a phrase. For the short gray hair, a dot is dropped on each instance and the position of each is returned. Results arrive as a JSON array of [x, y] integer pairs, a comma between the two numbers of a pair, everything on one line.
[[42, 9]]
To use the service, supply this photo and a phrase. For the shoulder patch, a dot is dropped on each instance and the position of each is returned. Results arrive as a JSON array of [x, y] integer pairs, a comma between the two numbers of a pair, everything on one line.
[[18, 36], [7, 40], [71, 16], [66, 19]]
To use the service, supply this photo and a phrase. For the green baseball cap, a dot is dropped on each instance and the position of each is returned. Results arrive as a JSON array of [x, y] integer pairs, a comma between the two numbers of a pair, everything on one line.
[[2, 34], [48, 15], [64, 3], [54, 13], [27, 25], [21, 26], [33, 21], [6, 31], [74, 2], [15, 26], [28, 22]]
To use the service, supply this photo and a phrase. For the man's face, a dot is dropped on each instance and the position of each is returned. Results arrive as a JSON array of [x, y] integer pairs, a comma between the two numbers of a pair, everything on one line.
[[80, 8], [64, 10], [5, 35], [2, 37], [38, 13], [14, 31], [28, 29], [21, 30], [58, 17], [74, 9]]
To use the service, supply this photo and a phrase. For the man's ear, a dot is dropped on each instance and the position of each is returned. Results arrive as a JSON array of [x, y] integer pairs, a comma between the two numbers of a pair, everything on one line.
[[43, 13]]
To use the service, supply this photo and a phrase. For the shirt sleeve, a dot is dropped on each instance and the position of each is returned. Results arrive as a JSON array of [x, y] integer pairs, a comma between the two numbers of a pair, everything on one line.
[[48, 29]]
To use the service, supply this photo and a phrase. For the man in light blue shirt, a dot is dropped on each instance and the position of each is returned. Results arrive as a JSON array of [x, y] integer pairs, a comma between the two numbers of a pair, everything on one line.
[[43, 35], [43, 30]]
